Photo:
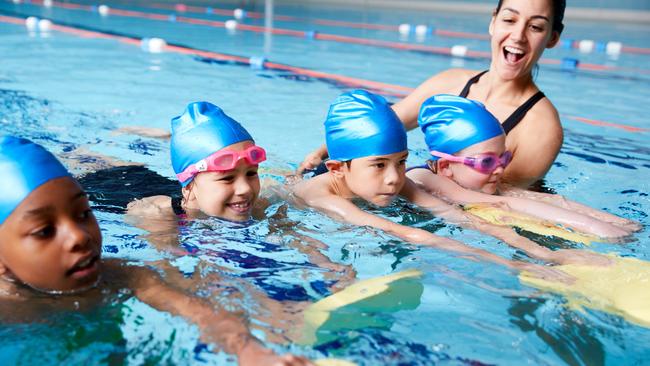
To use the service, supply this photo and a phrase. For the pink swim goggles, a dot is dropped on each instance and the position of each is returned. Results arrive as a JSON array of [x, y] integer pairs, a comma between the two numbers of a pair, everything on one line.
[[223, 160], [484, 163]]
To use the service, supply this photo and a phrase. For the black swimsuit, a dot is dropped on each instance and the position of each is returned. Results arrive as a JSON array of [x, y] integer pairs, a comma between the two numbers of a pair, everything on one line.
[[178, 207], [510, 123], [516, 116]]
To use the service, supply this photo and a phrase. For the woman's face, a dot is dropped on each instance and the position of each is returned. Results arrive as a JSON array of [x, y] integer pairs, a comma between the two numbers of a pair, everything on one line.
[[229, 194], [470, 178], [520, 31], [51, 241]]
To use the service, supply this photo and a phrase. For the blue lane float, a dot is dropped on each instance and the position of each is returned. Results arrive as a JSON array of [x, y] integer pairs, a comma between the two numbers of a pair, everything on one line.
[[257, 62], [570, 64]]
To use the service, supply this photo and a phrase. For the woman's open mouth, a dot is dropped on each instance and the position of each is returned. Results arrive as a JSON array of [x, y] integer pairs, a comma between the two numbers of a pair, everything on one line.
[[513, 54]]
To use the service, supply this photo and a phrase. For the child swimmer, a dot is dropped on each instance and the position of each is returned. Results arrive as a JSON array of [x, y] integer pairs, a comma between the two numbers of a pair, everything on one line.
[[215, 160], [467, 144], [368, 151], [50, 243]]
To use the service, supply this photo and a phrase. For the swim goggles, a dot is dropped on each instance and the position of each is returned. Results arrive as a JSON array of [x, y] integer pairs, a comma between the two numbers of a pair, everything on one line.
[[223, 160], [484, 163]]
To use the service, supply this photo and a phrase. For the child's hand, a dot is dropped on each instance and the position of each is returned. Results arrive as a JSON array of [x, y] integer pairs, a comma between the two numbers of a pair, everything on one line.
[[576, 256], [254, 354], [629, 225], [606, 230], [546, 273]]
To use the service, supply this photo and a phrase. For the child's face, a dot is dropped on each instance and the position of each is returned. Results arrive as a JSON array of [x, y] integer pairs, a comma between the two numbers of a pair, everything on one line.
[[229, 194], [52, 241], [377, 179], [471, 178]]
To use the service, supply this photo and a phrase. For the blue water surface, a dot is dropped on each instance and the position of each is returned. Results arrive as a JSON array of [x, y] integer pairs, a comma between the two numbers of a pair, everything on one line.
[[71, 93]]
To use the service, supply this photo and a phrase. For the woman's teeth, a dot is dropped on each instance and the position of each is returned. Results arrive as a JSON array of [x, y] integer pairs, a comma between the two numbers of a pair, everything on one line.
[[513, 54]]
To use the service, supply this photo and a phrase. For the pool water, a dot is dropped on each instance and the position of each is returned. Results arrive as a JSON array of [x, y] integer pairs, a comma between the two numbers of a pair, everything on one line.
[[71, 93]]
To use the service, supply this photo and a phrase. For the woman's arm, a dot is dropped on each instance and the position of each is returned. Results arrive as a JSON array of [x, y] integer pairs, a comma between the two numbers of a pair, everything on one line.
[[535, 143]]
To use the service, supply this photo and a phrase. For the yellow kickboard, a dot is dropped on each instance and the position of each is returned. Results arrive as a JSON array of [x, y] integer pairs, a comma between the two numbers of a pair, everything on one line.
[[353, 307], [498, 216], [622, 288]]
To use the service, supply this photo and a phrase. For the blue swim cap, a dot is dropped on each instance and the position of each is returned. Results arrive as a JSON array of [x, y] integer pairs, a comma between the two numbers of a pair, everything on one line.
[[24, 166], [451, 123], [199, 132], [361, 124]]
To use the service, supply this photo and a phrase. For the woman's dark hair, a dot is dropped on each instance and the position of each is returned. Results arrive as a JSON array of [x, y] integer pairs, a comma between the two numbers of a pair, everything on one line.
[[558, 13]]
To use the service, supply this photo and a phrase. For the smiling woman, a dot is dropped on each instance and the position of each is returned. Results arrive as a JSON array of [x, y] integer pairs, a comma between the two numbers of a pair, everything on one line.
[[520, 31]]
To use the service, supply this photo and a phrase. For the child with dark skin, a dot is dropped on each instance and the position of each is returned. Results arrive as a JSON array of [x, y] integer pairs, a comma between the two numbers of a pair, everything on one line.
[[51, 243]]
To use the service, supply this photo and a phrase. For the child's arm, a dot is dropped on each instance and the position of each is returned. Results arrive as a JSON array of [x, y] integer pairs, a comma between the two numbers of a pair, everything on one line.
[[217, 325], [281, 225], [457, 216], [563, 202], [450, 190], [344, 210]]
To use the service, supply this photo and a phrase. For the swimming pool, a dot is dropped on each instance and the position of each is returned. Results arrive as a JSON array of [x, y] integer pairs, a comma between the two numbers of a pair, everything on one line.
[[66, 91]]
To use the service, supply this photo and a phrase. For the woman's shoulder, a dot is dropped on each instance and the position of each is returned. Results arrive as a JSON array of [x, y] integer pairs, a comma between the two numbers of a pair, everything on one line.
[[453, 78], [543, 116], [540, 127], [450, 81]]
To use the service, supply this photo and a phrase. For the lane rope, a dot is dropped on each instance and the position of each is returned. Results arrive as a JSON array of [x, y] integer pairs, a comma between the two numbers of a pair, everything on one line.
[[387, 89], [457, 51]]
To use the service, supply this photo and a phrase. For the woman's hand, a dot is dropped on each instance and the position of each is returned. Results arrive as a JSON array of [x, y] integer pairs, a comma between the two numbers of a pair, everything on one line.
[[312, 160]]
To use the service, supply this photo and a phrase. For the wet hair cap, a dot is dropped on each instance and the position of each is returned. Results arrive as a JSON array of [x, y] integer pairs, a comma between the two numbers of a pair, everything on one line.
[[361, 124], [24, 166], [200, 131], [451, 123]]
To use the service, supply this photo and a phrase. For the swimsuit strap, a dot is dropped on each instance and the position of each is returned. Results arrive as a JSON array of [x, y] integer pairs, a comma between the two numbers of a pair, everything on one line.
[[520, 112], [469, 84], [516, 116], [177, 207], [423, 166]]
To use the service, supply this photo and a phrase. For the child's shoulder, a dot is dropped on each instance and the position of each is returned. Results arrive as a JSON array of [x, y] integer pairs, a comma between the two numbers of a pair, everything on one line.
[[151, 206], [307, 190]]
